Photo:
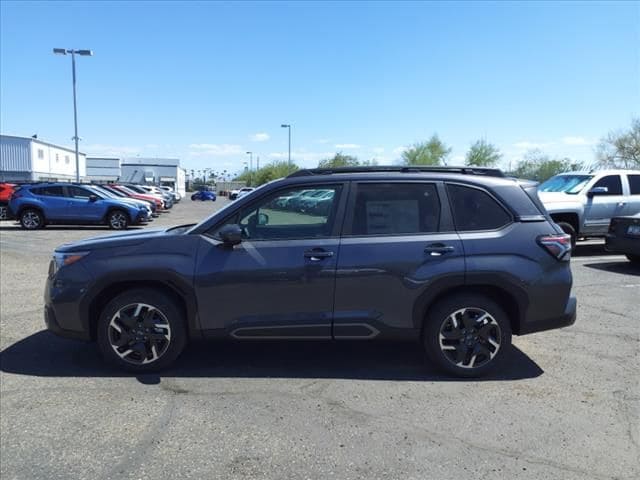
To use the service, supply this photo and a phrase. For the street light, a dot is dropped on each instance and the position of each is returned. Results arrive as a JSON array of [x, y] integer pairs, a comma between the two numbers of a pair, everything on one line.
[[84, 53], [285, 125], [250, 165]]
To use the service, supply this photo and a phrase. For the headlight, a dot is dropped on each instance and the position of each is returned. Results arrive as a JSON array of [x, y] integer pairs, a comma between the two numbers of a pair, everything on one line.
[[63, 259]]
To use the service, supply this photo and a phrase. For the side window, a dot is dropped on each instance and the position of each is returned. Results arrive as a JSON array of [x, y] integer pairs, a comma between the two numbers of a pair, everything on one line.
[[48, 191], [77, 192], [634, 184], [612, 183], [396, 209], [475, 209], [40, 153], [294, 213]]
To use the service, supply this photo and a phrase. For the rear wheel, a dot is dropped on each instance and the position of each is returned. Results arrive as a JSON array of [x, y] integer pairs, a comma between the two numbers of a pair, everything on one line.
[[467, 335], [118, 220], [569, 230], [141, 330], [31, 219], [634, 258]]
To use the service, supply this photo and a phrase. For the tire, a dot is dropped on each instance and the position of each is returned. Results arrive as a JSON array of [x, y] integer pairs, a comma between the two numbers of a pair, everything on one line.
[[194, 197], [634, 259], [137, 326], [569, 230], [118, 220], [445, 342], [31, 219]]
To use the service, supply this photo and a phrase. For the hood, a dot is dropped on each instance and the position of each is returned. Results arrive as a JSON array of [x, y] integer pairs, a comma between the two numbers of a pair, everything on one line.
[[556, 197], [115, 240]]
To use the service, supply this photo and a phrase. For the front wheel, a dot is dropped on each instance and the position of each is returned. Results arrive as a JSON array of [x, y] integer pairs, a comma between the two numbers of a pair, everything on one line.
[[118, 220], [467, 335], [31, 219], [194, 197], [141, 330], [634, 258]]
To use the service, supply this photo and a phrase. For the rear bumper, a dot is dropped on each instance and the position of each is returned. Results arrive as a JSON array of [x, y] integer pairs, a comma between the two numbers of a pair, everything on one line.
[[618, 244], [567, 319]]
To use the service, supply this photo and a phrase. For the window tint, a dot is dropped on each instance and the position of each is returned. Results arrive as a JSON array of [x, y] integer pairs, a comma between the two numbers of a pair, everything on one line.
[[396, 208], [634, 184], [475, 209], [48, 191], [290, 214], [613, 184], [77, 192]]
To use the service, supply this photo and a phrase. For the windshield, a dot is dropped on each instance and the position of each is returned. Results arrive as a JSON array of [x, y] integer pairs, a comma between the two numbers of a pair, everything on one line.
[[571, 184], [103, 191]]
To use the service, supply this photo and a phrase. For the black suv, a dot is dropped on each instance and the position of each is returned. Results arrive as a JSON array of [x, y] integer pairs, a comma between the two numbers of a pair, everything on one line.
[[456, 258]]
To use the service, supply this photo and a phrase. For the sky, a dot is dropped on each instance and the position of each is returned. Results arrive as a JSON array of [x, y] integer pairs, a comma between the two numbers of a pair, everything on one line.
[[207, 82]]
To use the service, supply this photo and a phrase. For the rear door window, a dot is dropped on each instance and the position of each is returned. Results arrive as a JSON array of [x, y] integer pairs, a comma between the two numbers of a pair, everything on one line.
[[50, 191], [395, 209], [475, 210], [634, 184]]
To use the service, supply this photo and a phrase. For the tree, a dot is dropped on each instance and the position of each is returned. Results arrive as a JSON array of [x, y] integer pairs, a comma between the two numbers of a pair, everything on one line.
[[339, 160], [269, 172], [621, 149], [483, 154], [431, 152], [539, 166]]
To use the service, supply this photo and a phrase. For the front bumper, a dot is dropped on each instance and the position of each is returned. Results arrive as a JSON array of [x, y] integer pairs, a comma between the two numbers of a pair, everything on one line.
[[567, 319]]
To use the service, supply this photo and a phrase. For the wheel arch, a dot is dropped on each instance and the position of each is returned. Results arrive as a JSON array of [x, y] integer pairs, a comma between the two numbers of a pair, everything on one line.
[[109, 291], [30, 206], [113, 208], [506, 298], [572, 218]]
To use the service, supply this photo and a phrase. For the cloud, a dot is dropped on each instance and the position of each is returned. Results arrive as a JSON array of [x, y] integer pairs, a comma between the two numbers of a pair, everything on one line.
[[399, 150], [577, 141], [302, 158], [457, 160], [323, 140], [111, 150], [378, 150], [259, 137], [348, 146], [214, 150]]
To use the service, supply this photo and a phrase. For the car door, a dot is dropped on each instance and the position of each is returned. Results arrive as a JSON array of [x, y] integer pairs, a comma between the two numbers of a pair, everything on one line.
[[398, 242], [601, 207], [54, 201], [279, 281], [80, 207]]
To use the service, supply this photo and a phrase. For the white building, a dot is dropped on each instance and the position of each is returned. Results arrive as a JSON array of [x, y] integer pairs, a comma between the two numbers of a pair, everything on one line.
[[156, 171], [103, 169], [29, 159]]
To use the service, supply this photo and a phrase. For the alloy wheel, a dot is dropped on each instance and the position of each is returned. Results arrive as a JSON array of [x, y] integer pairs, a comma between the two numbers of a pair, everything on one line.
[[118, 220], [470, 338], [31, 219], [139, 333]]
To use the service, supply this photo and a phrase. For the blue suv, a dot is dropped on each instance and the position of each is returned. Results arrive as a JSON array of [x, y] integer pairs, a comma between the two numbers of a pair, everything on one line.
[[40, 204]]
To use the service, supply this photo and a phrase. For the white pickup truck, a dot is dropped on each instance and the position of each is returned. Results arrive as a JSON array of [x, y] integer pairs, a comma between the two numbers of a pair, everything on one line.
[[583, 203]]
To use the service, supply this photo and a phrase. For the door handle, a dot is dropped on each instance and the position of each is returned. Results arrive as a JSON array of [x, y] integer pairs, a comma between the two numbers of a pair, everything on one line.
[[437, 249], [316, 255]]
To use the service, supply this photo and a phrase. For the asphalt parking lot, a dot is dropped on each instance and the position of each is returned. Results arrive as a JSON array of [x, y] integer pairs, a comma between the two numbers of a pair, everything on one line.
[[567, 407]]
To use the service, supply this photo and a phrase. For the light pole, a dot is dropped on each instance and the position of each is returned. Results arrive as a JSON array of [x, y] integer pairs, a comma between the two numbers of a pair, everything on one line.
[[84, 53], [250, 165], [286, 125]]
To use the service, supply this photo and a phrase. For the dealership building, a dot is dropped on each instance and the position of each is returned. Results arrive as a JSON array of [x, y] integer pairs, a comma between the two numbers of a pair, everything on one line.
[[27, 159]]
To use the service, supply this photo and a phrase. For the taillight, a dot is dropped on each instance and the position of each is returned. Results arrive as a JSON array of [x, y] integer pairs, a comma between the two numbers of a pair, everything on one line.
[[557, 245]]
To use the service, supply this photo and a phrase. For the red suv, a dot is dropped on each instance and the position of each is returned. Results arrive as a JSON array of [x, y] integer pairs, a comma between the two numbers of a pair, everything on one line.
[[6, 190]]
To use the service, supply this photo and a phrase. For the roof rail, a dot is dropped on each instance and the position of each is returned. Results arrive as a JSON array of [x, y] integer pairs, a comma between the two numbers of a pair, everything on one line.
[[489, 172]]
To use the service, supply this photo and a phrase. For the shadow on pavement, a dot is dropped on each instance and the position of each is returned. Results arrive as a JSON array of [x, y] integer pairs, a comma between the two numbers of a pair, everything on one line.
[[87, 228], [44, 354], [624, 267], [590, 249]]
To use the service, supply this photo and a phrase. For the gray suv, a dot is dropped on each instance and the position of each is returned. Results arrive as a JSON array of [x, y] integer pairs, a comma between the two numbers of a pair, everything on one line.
[[456, 258]]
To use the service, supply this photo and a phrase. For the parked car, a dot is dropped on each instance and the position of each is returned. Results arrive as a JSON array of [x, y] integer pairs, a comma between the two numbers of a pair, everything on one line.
[[6, 190], [456, 258], [151, 202], [583, 203], [204, 195], [235, 194], [154, 191], [310, 203], [296, 200], [40, 204], [176, 194], [150, 207], [140, 196], [624, 237]]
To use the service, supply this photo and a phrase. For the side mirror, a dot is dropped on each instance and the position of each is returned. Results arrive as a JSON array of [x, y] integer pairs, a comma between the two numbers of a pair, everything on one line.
[[598, 191], [231, 235], [93, 198], [263, 219]]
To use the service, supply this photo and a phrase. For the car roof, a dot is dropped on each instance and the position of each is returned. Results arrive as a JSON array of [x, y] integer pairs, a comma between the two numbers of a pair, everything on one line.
[[613, 171]]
